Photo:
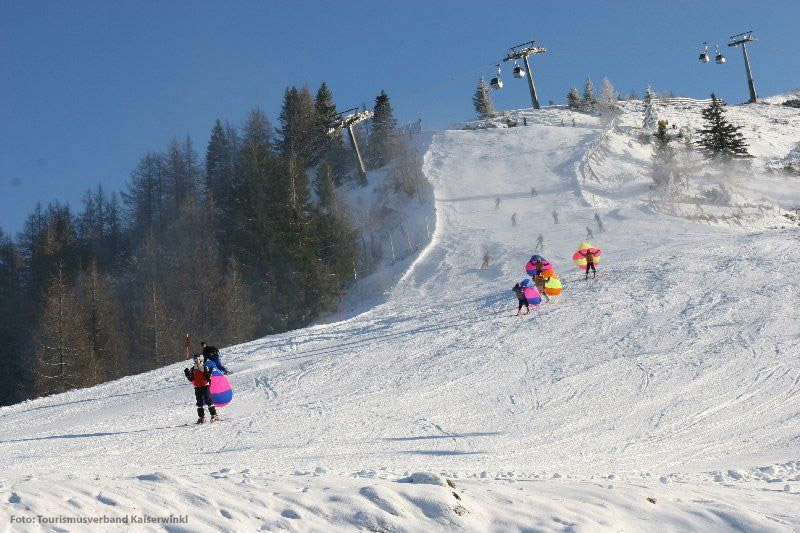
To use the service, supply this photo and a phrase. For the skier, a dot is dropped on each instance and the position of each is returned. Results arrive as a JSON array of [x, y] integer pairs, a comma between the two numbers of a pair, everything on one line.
[[599, 222], [589, 263], [539, 243], [539, 281], [573, 122], [486, 258], [212, 353], [555, 216], [514, 219], [522, 300], [533, 192], [200, 376], [497, 203], [589, 234]]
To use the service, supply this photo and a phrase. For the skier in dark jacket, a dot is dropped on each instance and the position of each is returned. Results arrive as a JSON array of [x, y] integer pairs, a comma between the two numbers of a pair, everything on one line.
[[522, 299], [212, 353], [200, 376]]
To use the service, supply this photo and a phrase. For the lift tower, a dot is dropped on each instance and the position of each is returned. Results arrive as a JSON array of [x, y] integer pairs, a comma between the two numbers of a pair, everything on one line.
[[741, 40], [347, 123], [522, 51]]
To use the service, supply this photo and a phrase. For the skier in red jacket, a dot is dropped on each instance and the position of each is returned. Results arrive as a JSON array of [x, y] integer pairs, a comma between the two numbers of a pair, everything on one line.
[[200, 376]]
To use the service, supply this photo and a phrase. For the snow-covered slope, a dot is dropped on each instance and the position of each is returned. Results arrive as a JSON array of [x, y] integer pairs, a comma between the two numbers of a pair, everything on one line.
[[675, 375]]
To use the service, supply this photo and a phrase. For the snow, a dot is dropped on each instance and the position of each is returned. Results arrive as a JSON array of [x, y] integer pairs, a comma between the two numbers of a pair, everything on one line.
[[665, 394]]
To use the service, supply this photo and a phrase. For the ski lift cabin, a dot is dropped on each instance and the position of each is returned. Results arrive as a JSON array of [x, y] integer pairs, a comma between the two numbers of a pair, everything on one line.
[[704, 54], [519, 72], [720, 59], [496, 83]]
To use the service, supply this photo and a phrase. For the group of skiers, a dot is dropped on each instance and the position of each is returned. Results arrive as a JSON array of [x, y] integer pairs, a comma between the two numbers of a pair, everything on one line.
[[200, 376]]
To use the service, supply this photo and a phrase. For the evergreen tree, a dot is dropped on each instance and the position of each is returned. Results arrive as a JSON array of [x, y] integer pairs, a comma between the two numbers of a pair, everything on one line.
[[384, 126], [324, 187], [588, 100], [608, 96], [650, 117], [15, 309], [146, 196], [325, 117], [483, 101], [573, 99], [331, 147], [663, 158], [221, 167], [296, 134], [720, 139]]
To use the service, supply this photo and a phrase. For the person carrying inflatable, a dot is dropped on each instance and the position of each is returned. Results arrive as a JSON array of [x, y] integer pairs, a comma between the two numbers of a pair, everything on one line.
[[587, 258], [200, 376]]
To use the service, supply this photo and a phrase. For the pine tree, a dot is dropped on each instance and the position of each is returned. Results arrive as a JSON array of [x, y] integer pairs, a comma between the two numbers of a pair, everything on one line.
[[588, 100], [573, 99], [296, 134], [383, 128], [650, 117], [608, 96], [219, 167], [15, 310], [482, 100], [329, 146], [720, 139], [146, 196], [663, 156]]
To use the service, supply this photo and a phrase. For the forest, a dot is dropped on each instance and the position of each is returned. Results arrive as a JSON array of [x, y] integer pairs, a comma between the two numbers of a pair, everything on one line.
[[246, 240]]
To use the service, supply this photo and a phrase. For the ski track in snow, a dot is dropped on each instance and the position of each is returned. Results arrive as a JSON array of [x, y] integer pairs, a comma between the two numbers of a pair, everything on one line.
[[678, 361]]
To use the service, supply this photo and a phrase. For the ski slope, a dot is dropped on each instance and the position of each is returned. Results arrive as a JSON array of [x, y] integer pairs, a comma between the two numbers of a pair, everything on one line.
[[673, 375]]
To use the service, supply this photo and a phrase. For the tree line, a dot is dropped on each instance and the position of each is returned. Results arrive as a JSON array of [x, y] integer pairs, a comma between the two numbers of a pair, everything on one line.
[[250, 239]]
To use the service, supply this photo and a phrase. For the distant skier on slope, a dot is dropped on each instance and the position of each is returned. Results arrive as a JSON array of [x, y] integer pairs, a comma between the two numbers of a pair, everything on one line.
[[212, 353], [200, 376], [599, 222], [555, 216], [486, 258], [522, 300], [514, 219], [589, 234], [539, 243], [497, 202], [533, 192], [589, 256]]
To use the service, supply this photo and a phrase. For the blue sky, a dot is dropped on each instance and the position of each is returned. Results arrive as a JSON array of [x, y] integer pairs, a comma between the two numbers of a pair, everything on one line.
[[88, 87]]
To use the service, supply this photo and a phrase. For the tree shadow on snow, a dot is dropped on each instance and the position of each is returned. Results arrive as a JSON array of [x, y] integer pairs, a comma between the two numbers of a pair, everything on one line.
[[88, 435], [442, 452], [453, 436], [135, 393]]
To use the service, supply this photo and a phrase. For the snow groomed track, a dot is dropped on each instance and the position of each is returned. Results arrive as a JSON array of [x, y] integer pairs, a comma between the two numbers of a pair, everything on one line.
[[673, 373]]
